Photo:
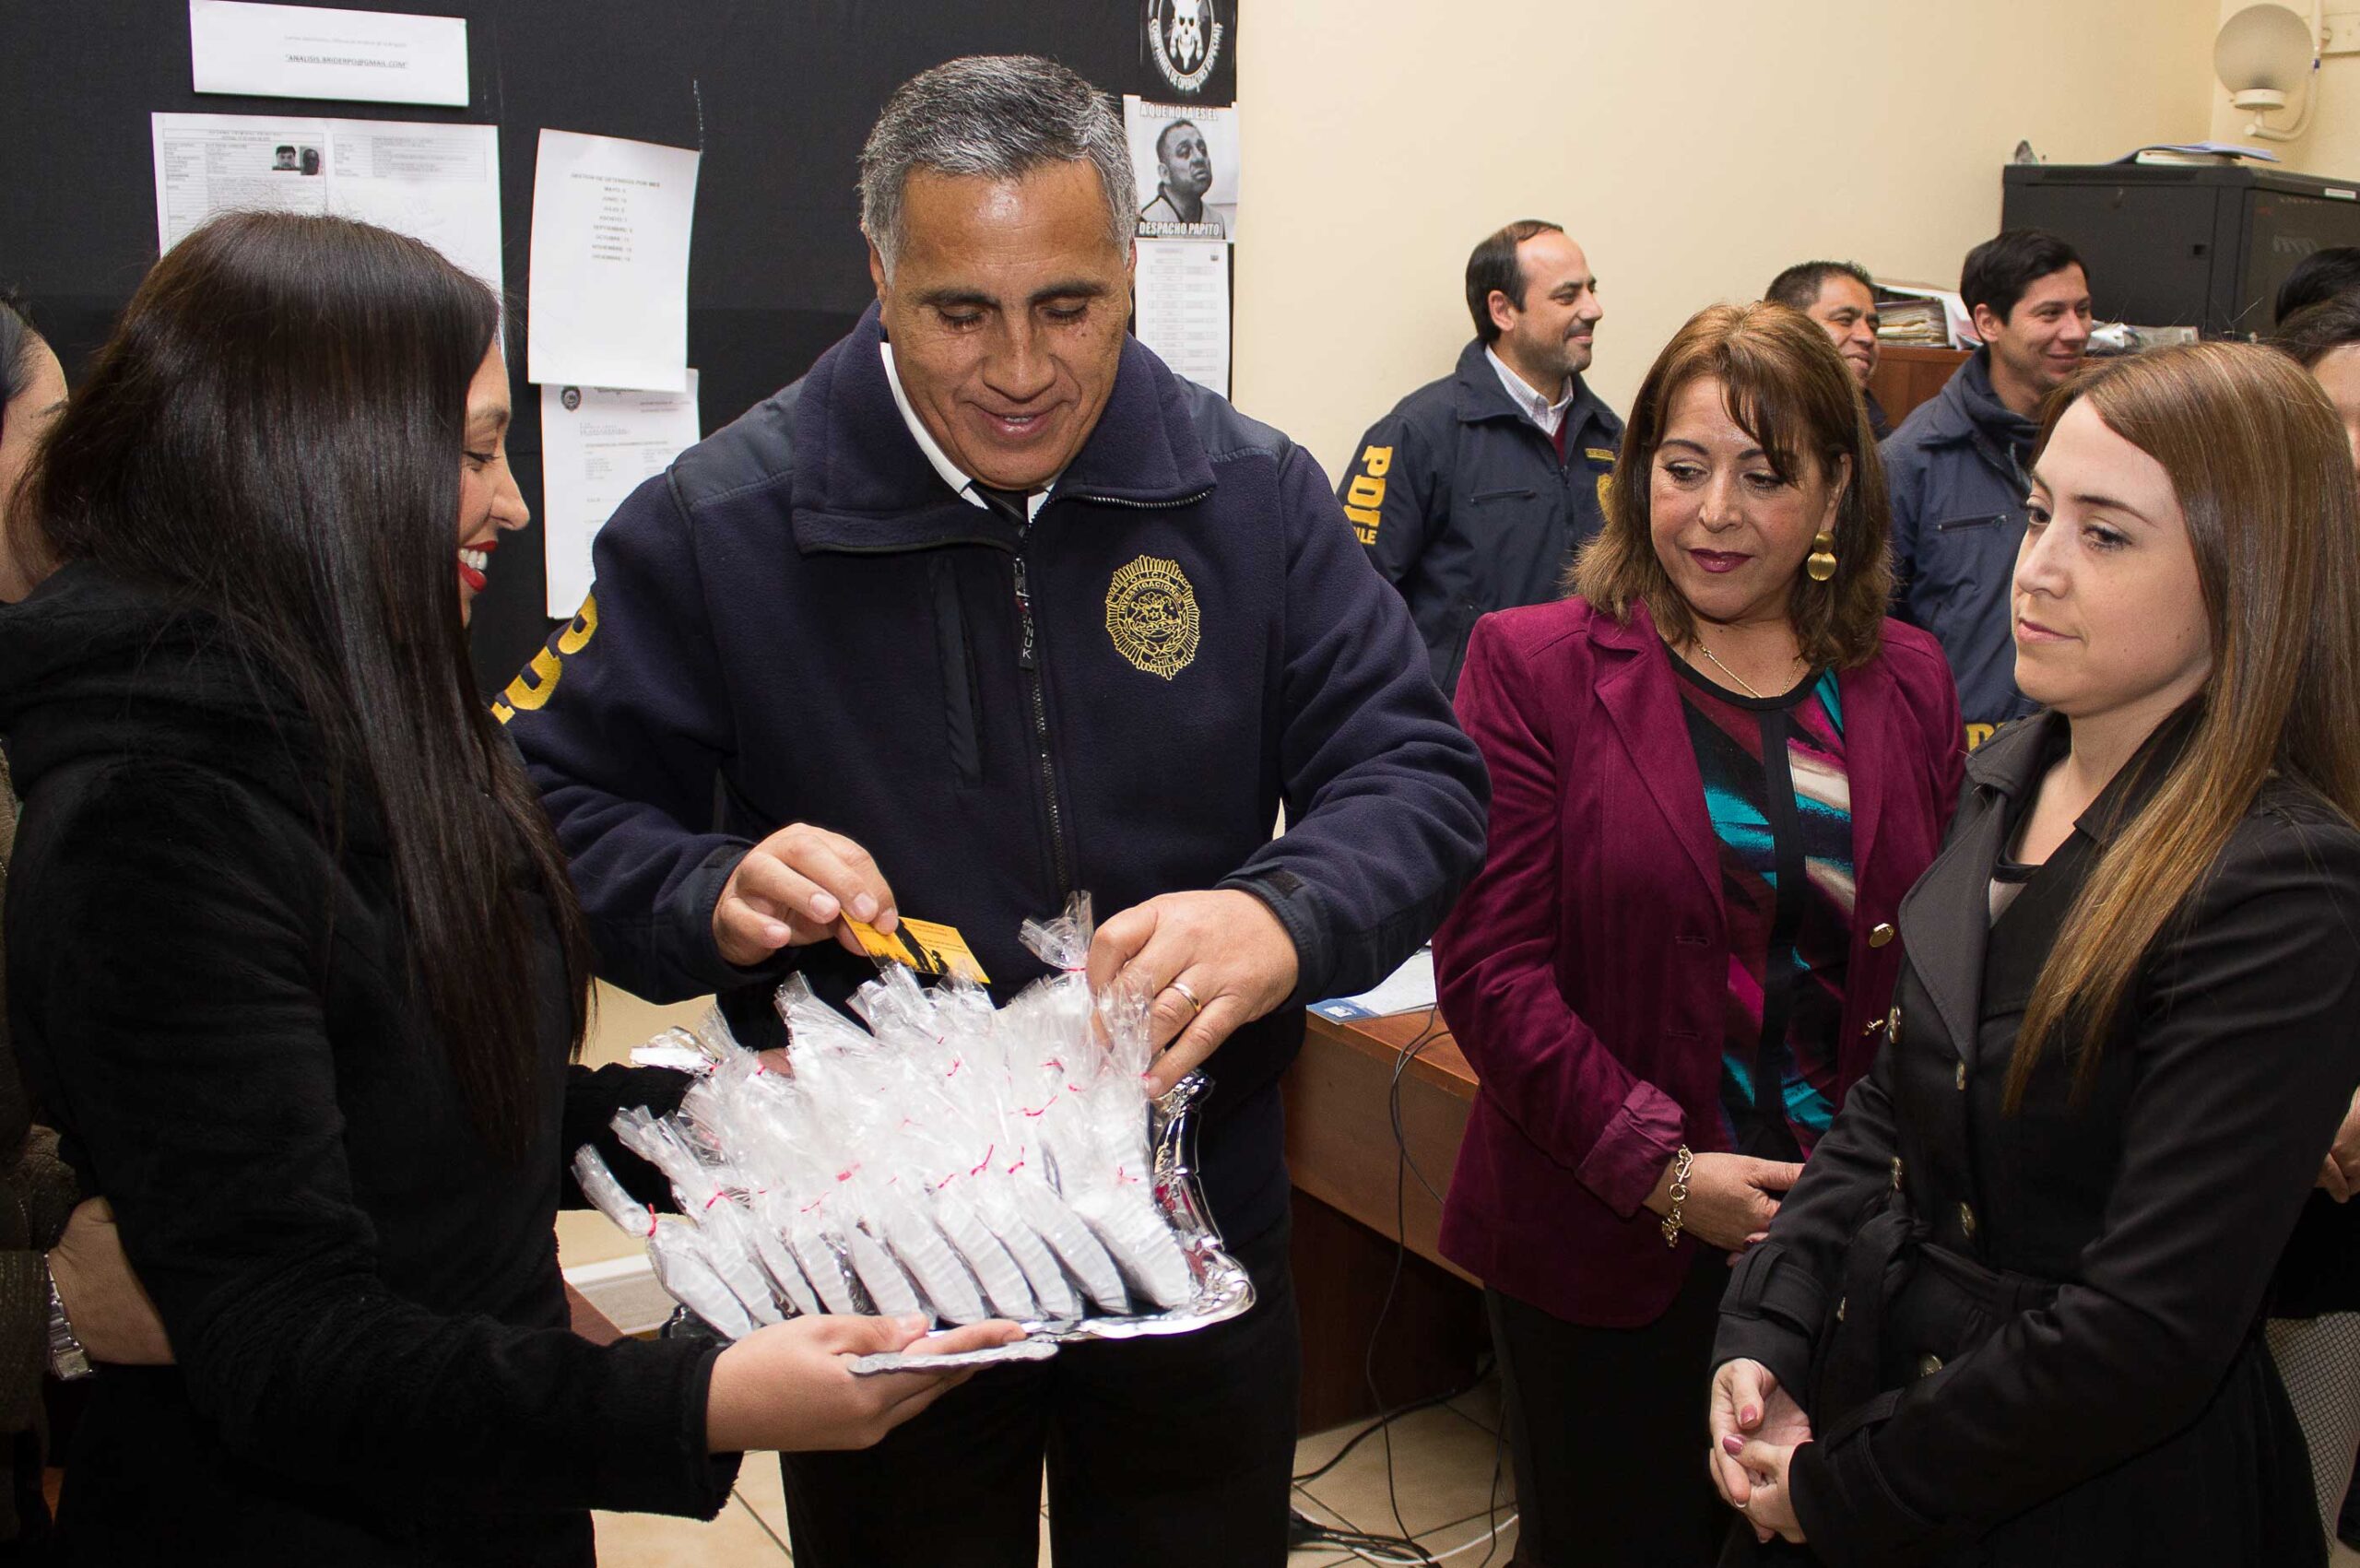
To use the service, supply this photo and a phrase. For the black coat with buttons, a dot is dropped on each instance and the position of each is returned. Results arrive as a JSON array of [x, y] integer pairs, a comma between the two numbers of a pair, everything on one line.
[[2102, 1396]]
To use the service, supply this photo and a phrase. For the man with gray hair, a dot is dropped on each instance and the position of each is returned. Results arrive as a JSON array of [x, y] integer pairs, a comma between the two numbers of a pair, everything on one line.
[[988, 610]]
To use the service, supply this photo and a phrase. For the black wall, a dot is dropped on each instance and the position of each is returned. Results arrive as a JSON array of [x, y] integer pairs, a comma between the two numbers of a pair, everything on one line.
[[778, 93]]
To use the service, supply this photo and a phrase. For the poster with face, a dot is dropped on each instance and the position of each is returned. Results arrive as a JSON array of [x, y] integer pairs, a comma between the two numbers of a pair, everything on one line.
[[1184, 159]]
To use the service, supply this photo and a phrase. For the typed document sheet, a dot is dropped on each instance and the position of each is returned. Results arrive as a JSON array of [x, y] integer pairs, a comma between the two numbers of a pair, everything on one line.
[[437, 183], [608, 301], [317, 51], [598, 445]]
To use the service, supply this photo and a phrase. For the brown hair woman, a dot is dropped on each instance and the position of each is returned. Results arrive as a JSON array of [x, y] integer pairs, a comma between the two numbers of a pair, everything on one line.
[[1715, 771], [2033, 1252]]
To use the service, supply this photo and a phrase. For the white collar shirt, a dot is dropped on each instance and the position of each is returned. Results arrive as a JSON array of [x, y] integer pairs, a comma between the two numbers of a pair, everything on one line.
[[1534, 406], [960, 484]]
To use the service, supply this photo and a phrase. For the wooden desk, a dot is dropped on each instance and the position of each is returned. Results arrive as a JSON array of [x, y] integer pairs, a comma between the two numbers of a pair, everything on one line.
[[1357, 1200], [1906, 376], [1340, 1147]]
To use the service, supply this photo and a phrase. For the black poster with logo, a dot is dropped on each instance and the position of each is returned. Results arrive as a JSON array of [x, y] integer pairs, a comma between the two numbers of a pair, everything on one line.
[[1188, 51], [779, 98]]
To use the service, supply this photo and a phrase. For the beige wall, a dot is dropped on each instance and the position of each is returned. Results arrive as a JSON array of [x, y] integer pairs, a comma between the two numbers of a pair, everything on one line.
[[2331, 143], [1693, 149]]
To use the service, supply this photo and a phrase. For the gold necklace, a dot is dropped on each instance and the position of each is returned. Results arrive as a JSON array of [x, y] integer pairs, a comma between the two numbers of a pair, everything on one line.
[[1725, 669]]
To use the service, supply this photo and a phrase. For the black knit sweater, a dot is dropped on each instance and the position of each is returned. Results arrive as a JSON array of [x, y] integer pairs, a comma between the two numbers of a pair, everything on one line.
[[220, 1016]]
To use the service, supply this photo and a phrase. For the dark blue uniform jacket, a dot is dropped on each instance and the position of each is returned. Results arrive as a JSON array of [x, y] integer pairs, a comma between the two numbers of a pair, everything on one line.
[[801, 622], [1465, 508], [1959, 472]]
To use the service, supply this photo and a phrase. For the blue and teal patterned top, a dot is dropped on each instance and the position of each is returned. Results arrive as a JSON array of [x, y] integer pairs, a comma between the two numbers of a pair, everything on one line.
[[1781, 807]]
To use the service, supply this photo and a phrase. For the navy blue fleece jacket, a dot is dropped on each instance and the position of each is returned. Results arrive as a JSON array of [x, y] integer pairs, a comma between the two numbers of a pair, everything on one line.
[[800, 621]]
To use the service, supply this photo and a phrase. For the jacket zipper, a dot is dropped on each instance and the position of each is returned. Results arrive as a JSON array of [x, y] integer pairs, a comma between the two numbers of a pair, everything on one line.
[[1139, 505], [2002, 460], [1028, 659]]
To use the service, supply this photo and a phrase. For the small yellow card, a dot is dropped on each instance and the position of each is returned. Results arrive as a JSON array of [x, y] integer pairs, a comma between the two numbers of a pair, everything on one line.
[[932, 949]]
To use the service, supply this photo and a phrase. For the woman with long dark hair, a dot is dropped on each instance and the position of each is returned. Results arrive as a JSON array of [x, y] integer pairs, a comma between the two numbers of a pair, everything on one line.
[[294, 961], [2012, 1314]]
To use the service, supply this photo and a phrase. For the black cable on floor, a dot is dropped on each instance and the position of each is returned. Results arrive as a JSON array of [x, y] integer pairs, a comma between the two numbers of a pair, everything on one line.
[[1412, 1408], [1410, 1053], [1310, 1532], [1401, 1548]]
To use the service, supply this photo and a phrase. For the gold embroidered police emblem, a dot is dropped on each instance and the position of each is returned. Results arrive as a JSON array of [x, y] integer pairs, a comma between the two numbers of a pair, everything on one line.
[[1151, 615]]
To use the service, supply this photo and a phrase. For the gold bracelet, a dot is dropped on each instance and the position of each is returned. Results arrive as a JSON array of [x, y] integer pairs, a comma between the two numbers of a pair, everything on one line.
[[1681, 1164]]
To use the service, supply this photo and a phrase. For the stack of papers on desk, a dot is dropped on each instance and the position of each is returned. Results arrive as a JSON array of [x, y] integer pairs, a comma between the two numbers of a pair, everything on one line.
[[1410, 988], [1916, 322]]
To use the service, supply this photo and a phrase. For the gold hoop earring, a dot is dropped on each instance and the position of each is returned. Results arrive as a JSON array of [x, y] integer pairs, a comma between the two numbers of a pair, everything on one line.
[[1822, 564]]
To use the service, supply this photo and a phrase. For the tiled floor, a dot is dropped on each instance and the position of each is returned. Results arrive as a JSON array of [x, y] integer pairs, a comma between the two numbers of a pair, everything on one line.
[[1443, 1463], [1449, 1485]]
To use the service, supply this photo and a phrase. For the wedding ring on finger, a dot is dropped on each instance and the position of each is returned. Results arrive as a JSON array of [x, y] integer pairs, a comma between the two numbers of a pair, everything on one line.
[[1188, 996]]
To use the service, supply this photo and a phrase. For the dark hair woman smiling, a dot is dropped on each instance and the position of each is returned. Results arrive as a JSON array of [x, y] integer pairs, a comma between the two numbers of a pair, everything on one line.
[[294, 961]]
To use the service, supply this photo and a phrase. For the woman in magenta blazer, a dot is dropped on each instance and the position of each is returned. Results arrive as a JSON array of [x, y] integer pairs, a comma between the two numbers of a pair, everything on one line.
[[1715, 773]]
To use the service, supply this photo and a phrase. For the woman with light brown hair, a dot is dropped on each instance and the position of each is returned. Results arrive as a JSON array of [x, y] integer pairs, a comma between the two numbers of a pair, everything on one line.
[[1714, 774], [2011, 1312]]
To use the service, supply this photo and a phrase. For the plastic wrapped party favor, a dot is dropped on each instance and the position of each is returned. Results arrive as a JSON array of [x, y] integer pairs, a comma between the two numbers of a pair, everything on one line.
[[1044, 1276], [778, 1260], [932, 1262], [883, 1278], [1110, 1188], [945, 1130], [802, 1192], [1064, 1232], [965, 1088], [607, 1196], [807, 1258], [1006, 1290], [981, 1183], [950, 1158], [713, 1113], [700, 1049], [678, 1049], [726, 1245], [677, 1251], [684, 1268]]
